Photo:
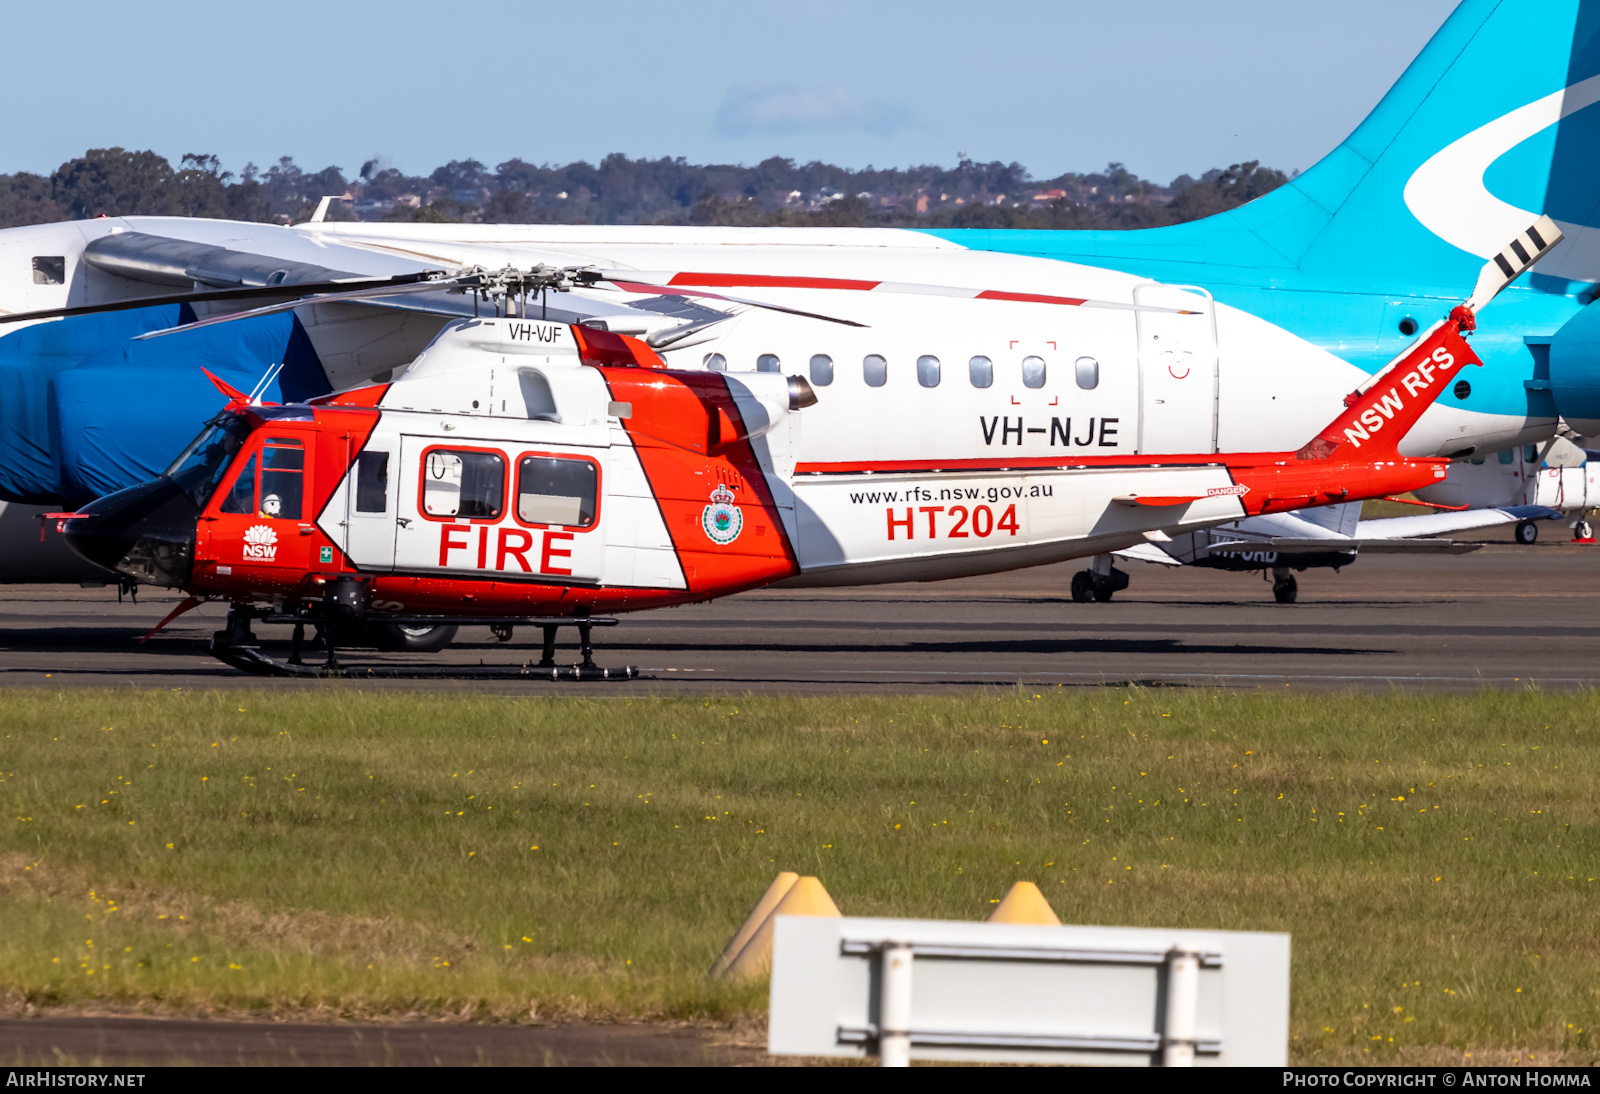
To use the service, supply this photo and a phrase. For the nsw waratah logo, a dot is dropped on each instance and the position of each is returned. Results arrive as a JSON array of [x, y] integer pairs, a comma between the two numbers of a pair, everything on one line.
[[260, 542], [721, 519]]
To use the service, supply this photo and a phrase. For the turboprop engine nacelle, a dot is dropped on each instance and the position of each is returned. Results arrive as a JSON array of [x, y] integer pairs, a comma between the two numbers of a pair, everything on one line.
[[1574, 375]]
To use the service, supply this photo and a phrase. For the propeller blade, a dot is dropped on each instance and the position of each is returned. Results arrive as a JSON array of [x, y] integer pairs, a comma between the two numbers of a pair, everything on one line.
[[321, 298], [771, 281], [250, 293]]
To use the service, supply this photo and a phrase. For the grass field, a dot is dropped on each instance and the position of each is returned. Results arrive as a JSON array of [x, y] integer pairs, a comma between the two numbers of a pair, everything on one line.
[[368, 854]]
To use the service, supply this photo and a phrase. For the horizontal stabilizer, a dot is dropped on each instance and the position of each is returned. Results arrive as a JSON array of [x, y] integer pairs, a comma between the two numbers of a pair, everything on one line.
[[1147, 552]]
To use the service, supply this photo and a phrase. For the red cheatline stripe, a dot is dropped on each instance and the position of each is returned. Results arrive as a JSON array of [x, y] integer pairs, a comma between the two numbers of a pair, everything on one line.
[[1031, 298], [645, 287], [1024, 463], [770, 281], [752, 281]]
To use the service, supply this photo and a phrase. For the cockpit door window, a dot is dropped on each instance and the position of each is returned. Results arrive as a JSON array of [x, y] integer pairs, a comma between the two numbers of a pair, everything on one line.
[[283, 476]]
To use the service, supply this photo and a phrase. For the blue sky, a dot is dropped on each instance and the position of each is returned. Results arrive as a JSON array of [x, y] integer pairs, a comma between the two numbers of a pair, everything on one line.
[[1165, 86]]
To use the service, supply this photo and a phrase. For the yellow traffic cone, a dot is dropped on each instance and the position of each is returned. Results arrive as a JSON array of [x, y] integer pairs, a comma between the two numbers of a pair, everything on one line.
[[805, 897], [1025, 904], [769, 900]]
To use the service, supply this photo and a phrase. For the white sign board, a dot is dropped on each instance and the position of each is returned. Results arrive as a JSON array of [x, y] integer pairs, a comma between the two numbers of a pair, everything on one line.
[[1028, 994]]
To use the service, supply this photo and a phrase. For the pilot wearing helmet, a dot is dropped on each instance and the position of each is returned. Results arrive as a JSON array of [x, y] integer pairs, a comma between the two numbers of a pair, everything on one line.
[[271, 506]]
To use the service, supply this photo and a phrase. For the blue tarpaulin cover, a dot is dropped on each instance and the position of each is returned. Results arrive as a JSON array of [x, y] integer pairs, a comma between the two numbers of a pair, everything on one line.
[[89, 411], [29, 359]]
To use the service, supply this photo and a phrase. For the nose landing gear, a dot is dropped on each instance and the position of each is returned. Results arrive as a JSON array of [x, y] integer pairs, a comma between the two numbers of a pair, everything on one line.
[[1284, 587]]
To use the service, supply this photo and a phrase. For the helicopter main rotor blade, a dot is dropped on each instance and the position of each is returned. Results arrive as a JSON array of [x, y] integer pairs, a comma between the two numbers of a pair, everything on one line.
[[437, 285], [398, 281]]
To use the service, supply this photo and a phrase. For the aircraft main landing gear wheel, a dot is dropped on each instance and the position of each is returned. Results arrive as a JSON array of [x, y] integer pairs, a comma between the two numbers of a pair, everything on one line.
[[1083, 586], [1108, 580], [1527, 533], [1285, 589], [405, 638]]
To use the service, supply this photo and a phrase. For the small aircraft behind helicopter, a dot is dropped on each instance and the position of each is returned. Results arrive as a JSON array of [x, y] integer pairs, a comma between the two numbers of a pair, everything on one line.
[[530, 472], [1329, 537]]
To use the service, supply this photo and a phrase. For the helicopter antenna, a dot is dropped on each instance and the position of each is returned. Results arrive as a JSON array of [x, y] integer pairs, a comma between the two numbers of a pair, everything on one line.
[[266, 381]]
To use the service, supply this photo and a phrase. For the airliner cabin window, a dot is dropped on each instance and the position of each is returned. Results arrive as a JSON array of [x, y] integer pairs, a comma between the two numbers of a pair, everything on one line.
[[928, 371], [1033, 372], [822, 370], [875, 370], [716, 362], [768, 362], [554, 491], [980, 370], [283, 476], [466, 485], [1087, 372], [372, 482]]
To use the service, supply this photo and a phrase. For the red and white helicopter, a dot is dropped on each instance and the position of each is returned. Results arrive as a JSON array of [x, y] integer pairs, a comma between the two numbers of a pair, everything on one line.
[[528, 472]]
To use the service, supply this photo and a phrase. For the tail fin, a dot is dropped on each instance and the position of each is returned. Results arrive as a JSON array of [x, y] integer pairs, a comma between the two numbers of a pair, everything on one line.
[[1380, 412], [1377, 418], [1488, 127]]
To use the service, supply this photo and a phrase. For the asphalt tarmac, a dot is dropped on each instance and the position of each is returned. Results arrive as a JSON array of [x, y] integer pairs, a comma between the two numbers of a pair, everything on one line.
[[132, 1043], [1503, 616]]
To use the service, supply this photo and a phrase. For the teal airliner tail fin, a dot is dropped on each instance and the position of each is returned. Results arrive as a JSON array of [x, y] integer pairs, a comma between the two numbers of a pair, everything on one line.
[[1489, 127]]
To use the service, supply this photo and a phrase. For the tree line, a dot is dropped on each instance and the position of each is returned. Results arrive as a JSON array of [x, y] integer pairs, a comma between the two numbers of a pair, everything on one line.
[[620, 190]]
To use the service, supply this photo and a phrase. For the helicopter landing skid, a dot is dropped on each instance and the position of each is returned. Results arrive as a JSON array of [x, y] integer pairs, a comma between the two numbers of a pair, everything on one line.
[[238, 647]]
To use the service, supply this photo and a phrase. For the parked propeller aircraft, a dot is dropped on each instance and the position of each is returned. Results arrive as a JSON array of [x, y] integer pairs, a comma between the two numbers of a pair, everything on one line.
[[530, 472], [1557, 474], [1330, 537], [1238, 333]]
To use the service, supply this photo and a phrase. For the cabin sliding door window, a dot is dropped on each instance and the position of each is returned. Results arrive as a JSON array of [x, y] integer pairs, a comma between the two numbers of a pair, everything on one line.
[[467, 485], [557, 491]]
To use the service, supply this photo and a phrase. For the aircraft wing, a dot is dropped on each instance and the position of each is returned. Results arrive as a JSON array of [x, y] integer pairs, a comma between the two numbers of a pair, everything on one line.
[[1432, 524], [1285, 545]]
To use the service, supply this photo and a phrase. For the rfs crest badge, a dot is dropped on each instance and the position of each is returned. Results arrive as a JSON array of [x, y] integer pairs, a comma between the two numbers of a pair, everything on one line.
[[721, 519], [260, 542]]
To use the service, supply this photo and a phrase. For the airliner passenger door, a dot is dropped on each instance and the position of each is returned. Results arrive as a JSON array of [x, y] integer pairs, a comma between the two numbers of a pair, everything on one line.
[[1177, 369]]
